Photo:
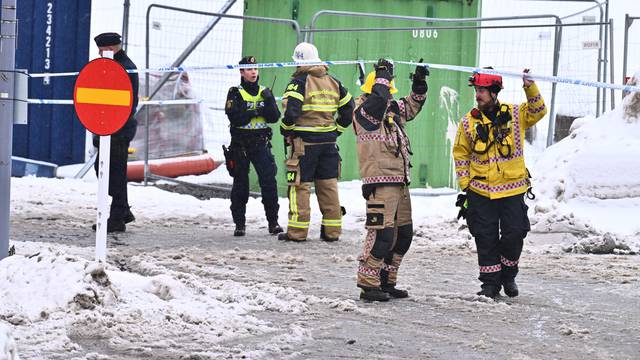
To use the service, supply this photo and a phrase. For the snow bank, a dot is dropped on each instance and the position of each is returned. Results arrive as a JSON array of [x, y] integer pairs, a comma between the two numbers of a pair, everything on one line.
[[56, 296], [590, 181], [8, 348]]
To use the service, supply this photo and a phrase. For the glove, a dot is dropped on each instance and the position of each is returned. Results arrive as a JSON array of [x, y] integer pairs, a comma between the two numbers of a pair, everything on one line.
[[462, 203], [421, 72], [248, 115], [419, 78], [267, 95], [368, 190], [384, 69]]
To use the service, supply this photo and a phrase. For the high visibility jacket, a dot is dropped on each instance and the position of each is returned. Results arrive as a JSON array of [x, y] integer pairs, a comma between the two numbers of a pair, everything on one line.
[[495, 168], [310, 102], [253, 101], [383, 145]]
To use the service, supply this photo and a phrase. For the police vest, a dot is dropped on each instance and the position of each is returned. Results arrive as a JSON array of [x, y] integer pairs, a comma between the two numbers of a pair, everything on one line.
[[253, 101]]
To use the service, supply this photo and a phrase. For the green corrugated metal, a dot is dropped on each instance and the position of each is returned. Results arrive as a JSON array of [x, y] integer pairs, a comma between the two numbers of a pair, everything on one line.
[[428, 133]]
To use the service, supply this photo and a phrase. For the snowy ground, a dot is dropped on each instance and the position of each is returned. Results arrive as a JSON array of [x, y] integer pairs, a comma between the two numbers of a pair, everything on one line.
[[177, 285]]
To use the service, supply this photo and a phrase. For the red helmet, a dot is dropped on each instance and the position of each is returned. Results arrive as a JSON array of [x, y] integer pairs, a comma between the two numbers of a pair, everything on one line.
[[490, 81]]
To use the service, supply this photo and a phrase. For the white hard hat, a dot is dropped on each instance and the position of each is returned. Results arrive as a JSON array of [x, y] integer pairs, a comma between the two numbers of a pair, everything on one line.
[[305, 52]]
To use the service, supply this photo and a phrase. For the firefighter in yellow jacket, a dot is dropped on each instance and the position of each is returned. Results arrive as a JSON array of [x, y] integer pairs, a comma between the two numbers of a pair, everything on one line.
[[310, 103], [489, 161], [384, 157]]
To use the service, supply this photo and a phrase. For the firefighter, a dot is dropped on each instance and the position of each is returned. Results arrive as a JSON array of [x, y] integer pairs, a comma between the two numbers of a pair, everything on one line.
[[250, 107], [310, 103], [489, 160], [384, 155]]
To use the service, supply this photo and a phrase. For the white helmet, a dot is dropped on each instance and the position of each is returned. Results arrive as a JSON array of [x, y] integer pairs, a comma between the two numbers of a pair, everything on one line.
[[305, 52]]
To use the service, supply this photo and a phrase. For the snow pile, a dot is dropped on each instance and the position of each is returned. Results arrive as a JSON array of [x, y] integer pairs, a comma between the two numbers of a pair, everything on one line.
[[8, 348], [52, 293], [590, 181]]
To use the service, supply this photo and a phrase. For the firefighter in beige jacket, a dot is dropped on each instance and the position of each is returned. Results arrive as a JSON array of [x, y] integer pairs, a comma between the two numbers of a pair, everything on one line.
[[384, 155], [311, 102]]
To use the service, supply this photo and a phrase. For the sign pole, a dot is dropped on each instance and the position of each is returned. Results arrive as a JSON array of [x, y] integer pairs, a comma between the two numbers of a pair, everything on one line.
[[103, 191], [103, 200], [103, 99]]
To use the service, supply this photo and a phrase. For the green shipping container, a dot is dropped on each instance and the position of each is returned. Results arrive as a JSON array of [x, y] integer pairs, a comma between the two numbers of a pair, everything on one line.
[[433, 131]]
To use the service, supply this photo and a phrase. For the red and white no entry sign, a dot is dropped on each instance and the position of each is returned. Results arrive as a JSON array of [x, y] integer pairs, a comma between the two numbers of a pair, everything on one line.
[[103, 96]]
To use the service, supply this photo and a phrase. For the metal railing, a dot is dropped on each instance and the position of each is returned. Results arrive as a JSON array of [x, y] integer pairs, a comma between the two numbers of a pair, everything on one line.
[[188, 50]]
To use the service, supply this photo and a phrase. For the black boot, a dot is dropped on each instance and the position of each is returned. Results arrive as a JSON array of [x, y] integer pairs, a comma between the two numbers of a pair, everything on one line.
[[113, 226], [274, 228], [510, 288], [240, 230], [129, 217], [373, 294], [284, 237], [393, 292], [324, 237], [490, 291]]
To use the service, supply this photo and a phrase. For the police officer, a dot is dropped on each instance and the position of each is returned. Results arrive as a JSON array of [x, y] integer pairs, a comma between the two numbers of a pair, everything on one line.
[[120, 213], [489, 160], [310, 103], [384, 157], [250, 107]]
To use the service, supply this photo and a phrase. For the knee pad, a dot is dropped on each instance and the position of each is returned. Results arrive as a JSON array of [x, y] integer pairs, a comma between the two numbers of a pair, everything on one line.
[[383, 242], [405, 236]]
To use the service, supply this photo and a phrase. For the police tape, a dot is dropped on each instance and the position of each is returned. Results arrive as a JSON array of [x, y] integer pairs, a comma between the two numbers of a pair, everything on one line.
[[555, 79], [142, 102], [459, 68]]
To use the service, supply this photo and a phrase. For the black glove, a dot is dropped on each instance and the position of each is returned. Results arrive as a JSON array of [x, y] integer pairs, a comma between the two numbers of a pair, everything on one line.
[[421, 72], [419, 79], [268, 96], [384, 69], [461, 202], [250, 114], [368, 190]]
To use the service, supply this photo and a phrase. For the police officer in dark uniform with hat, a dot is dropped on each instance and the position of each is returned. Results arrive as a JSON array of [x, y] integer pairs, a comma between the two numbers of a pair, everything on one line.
[[120, 213], [250, 107]]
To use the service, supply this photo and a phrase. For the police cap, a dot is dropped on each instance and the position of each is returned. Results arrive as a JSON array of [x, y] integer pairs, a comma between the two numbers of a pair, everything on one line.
[[248, 60], [107, 39]]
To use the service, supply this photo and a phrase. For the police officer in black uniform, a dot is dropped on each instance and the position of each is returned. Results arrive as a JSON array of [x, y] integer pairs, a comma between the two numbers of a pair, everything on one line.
[[120, 210], [250, 107]]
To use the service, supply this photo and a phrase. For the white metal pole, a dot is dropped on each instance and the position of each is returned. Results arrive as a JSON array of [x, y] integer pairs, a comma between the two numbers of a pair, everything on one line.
[[103, 191]]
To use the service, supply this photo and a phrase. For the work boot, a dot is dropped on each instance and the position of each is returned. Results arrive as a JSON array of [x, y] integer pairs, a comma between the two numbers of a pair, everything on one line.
[[239, 231], [129, 217], [324, 237], [274, 228], [284, 237], [113, 226], [510, 288], [373, 294], [393, 292], [490, 291]]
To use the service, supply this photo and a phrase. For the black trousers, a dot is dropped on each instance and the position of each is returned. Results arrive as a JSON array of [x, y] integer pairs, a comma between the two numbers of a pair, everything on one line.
[[117, 175], [319, 162], [499, 227], [256, 151]]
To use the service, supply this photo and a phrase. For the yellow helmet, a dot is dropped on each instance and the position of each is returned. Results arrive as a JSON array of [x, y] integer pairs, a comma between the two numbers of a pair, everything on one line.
[[371, 79]]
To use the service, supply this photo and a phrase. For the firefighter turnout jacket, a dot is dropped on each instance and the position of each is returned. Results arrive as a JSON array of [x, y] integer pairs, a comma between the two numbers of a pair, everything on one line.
[[310, 101], [489, 155], [382, 142]]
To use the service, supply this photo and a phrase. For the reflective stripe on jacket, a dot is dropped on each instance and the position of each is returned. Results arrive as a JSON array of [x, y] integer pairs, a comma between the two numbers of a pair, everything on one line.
[[252, 101], [499, 171]]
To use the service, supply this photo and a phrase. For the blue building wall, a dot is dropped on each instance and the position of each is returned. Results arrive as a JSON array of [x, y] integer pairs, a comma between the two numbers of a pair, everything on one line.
[[53, 37]]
